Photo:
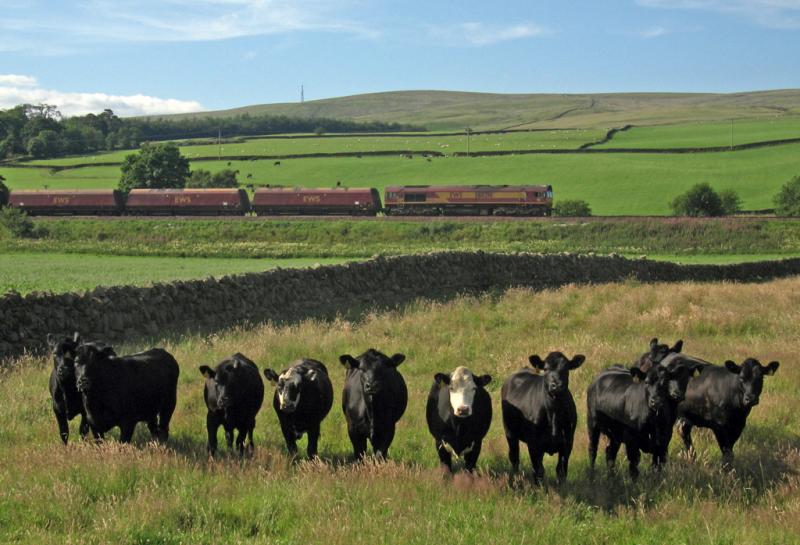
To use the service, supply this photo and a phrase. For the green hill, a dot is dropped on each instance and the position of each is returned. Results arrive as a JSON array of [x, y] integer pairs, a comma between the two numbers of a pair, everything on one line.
[[451, 110]]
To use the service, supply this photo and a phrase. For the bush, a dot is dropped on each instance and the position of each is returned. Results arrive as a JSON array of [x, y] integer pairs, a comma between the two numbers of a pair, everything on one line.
[[787, 201], [156, 166], [700, 200], [204, 179], [3, 191], [16, 223], [731, 202], [572, 208]]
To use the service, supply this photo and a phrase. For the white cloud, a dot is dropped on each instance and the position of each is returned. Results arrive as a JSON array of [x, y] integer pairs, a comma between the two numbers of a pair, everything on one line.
[[16, 89], [779, 14], [479, 34]]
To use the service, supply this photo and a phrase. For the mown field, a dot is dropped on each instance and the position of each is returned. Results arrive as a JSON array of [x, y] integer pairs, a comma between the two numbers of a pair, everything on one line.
[[613, 184], [59, 272], [141, 494]]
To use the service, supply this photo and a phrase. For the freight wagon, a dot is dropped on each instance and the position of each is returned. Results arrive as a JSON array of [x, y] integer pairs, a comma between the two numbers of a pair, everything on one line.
[[87, 202], [195, 202], [317, 201], [482, 200]]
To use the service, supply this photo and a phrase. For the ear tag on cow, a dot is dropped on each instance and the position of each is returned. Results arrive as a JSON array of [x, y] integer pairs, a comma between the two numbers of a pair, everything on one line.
[[312, 376], [696, 373], [68, 354], [636, 380]]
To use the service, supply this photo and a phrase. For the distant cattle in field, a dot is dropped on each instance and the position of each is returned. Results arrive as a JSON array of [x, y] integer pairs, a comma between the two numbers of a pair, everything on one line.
[[721, 398], [374, 398], [539, 410], [633, 408], [657, 353], [67, 400], [124, 390], [249, 176], [459, 412], [303, 398], [233, 393], [276, 164]]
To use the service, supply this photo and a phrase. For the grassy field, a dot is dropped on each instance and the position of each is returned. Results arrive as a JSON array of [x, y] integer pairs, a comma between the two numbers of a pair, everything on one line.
[[147, 494], [691, 135], [615, 184], [60, 272]]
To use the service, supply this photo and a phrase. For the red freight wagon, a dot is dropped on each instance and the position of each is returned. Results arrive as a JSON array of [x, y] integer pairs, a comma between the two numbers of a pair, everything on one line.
[[498, 200], [68, 201], [304, 200], [199, 202]]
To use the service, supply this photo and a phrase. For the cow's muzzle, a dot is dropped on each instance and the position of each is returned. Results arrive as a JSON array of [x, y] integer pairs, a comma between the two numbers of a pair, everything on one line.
[[463, 411], [84, 384]]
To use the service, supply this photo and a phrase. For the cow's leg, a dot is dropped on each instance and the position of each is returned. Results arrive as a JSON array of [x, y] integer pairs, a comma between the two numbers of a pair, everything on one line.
[[251, 447], [685, 431], [471, 458], [611, 454], [313, 441], [359, 444], [445, 459], [228, 435], [725, 446], [290, 437], [83, 428], [240, 435], [382, 443], [513, 451], [165, 416], [152, 426], [63, 425], [212, 425], [632, 451], [594, 441], [126, 431], [563, 464], [537, 457]]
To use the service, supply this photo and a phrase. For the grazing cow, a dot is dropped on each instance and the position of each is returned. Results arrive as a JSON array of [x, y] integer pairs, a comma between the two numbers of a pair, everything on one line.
[[656, 353], [276, 164], [233, 393], [721, 398], [459, 412], [374, 398], [67, 401], [123, 390], [303, 398], [538, 409], [635, 408]]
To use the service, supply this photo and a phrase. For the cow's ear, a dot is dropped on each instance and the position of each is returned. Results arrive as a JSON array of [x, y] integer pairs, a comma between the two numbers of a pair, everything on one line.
[[653, 343], [348, 361], [637, 374], [271, 375], [771, 368], [536, 361], [396, 360], [577, 361], [76, 337], [207, 371], [311, 375], [51, 341], [483, 380], [441, 379], [677, 348], [732, 367]]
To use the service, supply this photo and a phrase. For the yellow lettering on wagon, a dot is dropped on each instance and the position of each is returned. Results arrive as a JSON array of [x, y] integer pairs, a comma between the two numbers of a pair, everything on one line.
[[183, 199], [311, 198], [61, 200]]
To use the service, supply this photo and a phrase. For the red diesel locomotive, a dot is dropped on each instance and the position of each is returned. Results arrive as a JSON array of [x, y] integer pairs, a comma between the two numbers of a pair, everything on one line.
[[469, 200]]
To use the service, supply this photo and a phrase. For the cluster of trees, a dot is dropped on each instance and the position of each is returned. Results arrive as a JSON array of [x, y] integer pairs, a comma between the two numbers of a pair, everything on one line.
[[161, 166], [40, 131], [703, 200]]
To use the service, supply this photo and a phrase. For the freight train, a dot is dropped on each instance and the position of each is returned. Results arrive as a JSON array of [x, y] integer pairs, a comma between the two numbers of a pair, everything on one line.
[[409, 200]]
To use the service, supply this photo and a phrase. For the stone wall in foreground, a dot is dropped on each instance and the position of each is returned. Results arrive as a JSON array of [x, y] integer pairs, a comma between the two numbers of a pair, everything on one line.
[[126, 313]]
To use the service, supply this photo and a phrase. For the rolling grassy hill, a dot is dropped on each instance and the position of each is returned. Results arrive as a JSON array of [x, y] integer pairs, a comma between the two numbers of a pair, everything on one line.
[[449, 110]]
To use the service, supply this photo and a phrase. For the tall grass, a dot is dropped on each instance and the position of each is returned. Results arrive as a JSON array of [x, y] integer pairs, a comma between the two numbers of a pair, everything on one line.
[[148, 494]]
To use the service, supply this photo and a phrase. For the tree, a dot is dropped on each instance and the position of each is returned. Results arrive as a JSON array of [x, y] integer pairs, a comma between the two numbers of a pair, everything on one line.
[[3, 191], [155, 166], [572, 208], [46, 144], [787, 201], [731, 202], [204, 179], [199, 178], [700, 200]]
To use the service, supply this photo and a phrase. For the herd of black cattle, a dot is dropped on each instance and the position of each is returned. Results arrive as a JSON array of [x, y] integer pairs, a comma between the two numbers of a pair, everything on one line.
[[637, 406]]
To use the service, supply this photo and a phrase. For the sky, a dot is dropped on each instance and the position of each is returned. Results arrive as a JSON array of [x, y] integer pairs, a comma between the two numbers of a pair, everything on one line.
[[145, 57]]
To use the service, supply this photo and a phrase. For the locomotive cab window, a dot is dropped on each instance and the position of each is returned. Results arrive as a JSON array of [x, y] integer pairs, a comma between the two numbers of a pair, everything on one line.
[[415, 197]]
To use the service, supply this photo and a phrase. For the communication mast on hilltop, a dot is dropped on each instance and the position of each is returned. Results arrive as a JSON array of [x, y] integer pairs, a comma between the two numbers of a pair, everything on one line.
[[302, 96]]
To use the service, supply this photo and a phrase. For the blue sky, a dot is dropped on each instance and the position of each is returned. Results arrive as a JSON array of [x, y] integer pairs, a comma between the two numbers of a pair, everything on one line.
[[143, 56]]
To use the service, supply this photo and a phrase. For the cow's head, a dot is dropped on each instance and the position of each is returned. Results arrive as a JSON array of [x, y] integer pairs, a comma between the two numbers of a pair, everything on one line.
[[656, 386], [289, 385], [660, 351], [462, 385], [751, 378], [89, 357], [375, 367], [556, 367], [63, 350], [679, 371], [225, 379]]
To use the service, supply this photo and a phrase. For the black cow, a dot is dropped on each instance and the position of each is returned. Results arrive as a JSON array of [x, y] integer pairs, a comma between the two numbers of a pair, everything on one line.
[[121, 391], [459, 412], [67, 401], [721, 398], [303, 398], [374, 398], [233, 393], [538, 409], [656, 354], [635, 408]]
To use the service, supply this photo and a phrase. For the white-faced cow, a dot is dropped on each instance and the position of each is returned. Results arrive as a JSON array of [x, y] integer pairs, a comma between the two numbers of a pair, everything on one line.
[[374, 398], [633, 408], [538, 409], [721, 398], [459, 412], [233, 393], [122, 391], [656, 354], [303, 398], [67, 400]]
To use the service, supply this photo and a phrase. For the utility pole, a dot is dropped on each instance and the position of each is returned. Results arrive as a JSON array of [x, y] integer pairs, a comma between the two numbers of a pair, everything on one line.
[[302, 94], [469, 131]]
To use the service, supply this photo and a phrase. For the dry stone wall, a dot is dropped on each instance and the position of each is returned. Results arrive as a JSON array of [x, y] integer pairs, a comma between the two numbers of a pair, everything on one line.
[[128, 313]]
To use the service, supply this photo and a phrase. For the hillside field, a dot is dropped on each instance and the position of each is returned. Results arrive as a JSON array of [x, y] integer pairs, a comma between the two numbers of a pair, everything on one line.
[[142, 494]]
